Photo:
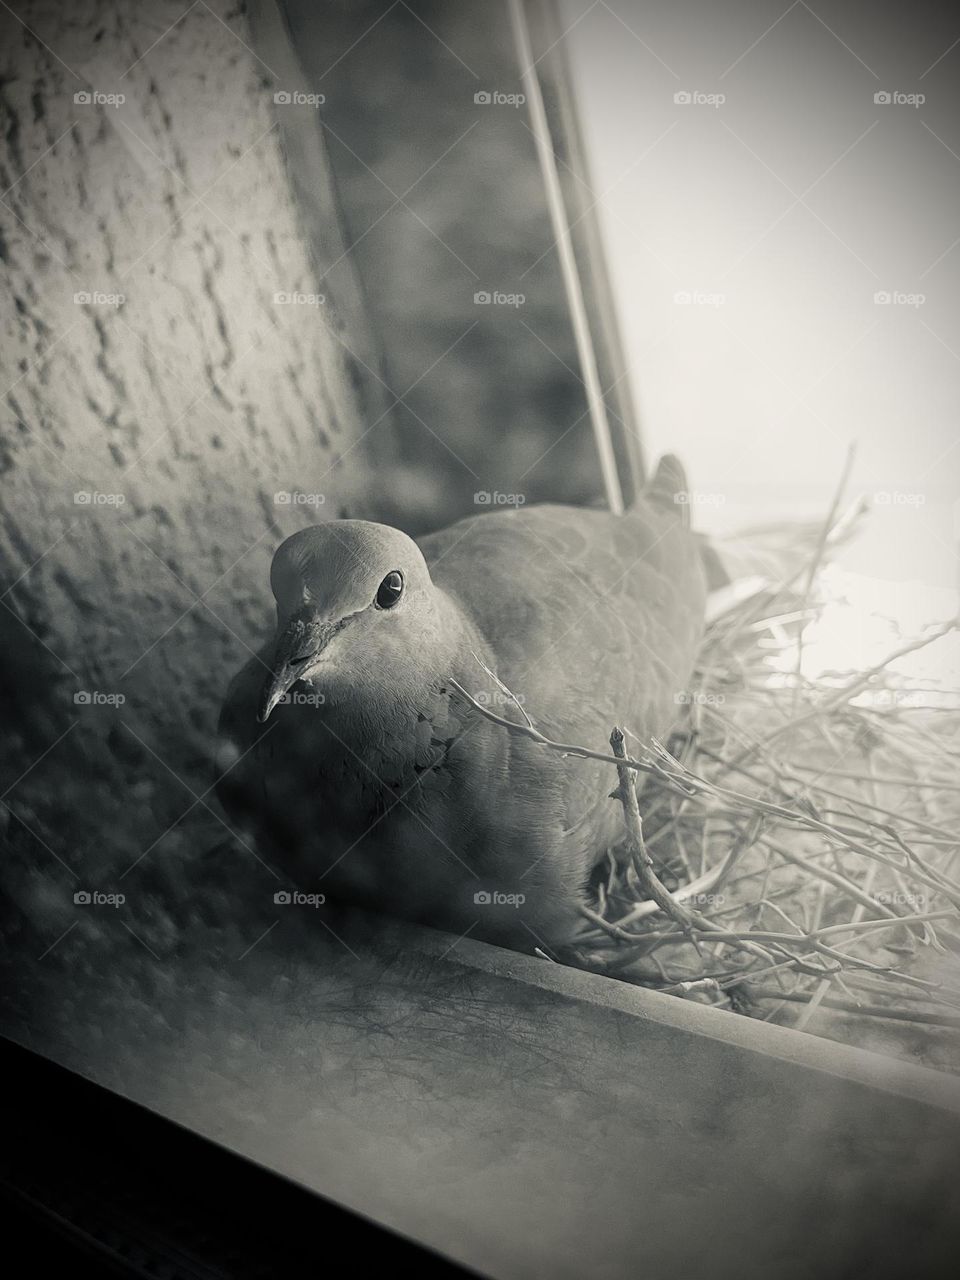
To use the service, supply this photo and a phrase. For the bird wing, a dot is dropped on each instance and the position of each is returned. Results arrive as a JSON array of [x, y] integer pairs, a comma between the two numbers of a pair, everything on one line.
[[592, 619]]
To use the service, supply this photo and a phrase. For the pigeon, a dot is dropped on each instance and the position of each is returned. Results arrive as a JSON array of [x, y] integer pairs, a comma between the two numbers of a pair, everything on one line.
[[359, 769]]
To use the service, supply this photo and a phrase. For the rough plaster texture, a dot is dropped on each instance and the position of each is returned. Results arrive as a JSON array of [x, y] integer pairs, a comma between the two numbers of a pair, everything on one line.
[[180, 413]]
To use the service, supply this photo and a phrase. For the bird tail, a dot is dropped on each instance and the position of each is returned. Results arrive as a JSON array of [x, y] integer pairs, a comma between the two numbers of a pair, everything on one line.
[[668, 488]]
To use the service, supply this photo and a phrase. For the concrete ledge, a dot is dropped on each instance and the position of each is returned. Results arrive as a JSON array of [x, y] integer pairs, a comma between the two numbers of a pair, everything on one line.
[[850, 1063], [527, 1120]]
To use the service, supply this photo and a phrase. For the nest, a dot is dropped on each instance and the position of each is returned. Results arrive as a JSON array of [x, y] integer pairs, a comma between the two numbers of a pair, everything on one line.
[[797, 849], [791, 852]]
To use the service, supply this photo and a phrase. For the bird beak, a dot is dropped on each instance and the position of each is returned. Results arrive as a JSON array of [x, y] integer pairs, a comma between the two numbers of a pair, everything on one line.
[[298, 644]]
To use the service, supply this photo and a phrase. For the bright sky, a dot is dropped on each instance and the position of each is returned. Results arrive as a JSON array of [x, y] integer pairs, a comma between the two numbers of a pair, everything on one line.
[[748, 239]]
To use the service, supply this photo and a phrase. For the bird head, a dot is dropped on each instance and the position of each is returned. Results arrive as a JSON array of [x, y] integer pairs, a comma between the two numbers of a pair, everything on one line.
[[355, 607]]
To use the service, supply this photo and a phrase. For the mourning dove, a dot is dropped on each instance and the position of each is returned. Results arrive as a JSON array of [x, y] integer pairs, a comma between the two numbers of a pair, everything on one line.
[[363, 773]]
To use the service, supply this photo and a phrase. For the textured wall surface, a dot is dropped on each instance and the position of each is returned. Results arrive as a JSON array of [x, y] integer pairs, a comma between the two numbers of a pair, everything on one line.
[[156, 397]]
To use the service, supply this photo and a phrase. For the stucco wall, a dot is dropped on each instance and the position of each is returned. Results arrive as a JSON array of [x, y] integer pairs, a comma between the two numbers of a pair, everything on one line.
[[179, 412]]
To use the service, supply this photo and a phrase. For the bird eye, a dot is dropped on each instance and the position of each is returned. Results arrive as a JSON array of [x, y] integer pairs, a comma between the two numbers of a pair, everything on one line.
[[390, 590]]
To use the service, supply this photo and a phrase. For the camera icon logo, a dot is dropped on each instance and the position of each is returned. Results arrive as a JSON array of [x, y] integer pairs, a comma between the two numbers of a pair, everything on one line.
[[483, 98], [482, 898], [282, 499], [482, 498], [282, 898], [82, 898], [83, 298], [82, 98], [481, 298], [82, 698], [882, 98], [683, 98], [882, 299], [281, 98]]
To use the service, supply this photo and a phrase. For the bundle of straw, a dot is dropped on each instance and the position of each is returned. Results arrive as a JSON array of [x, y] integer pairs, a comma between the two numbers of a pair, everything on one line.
[[792, 852]]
